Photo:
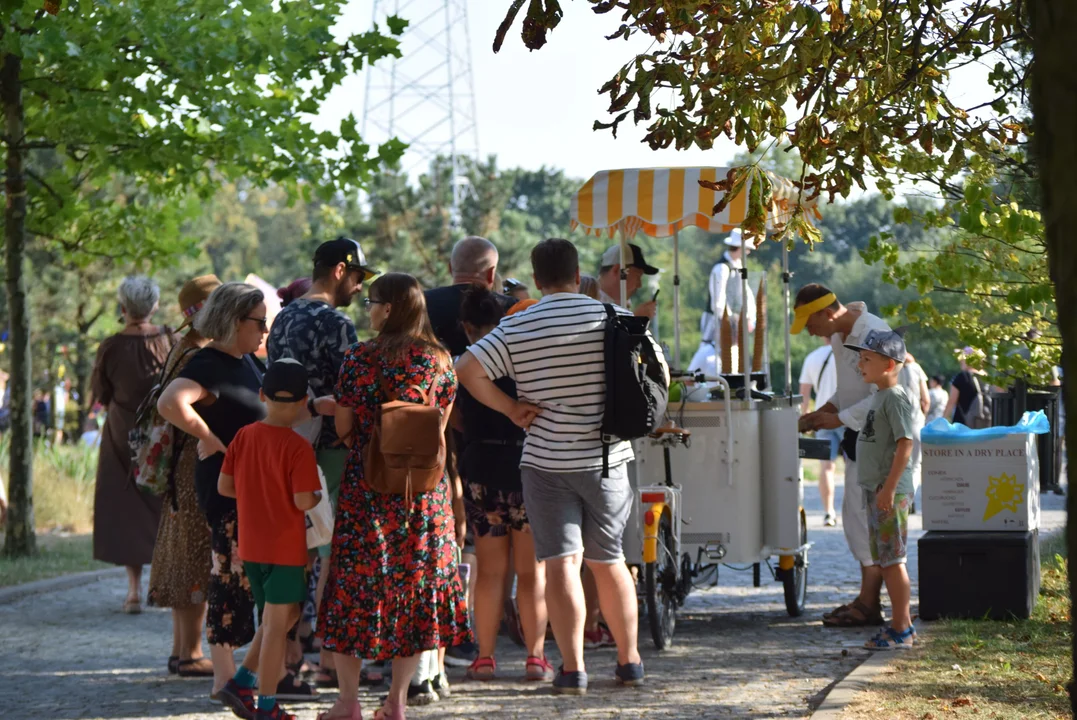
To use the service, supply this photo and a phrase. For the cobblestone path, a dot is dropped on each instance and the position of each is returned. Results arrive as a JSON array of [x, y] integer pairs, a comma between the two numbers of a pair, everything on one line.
[[736, 654]]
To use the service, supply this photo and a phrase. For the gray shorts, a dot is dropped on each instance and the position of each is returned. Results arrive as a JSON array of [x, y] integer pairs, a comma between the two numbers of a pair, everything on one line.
[[572, 512]]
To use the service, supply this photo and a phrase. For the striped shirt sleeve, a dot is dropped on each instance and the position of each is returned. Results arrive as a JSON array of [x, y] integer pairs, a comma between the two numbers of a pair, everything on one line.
[[492, 352]]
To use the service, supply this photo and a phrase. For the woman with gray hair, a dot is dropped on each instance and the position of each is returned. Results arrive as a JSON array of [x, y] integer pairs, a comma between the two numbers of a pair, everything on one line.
[[212, 398], [125, 519]]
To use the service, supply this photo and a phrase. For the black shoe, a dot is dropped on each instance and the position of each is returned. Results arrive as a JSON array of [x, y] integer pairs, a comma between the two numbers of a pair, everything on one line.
[[630, 674], [462, 655], [291, 688], [441, 686], [419, 695], [570, 683]]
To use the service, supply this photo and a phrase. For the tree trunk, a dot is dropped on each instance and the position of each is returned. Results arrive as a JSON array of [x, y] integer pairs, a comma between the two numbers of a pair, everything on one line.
[[1054, 105], [20, 539], [82, 362]]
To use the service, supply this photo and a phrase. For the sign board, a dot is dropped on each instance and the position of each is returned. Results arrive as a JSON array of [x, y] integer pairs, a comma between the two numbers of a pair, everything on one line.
[[989, 485]]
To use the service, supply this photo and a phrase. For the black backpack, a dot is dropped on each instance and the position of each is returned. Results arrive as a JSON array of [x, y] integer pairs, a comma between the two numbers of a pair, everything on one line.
[[637, 389]]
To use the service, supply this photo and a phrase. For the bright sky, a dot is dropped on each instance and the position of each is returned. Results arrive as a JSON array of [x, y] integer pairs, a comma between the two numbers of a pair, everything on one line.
[[537, 108]]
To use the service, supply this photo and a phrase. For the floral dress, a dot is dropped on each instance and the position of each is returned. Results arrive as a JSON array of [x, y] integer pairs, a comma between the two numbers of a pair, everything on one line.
[[393, 588]]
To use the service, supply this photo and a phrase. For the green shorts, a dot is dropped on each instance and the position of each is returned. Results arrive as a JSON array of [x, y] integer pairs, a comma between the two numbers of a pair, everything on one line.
[[276, 584], [888, 533], [332, 461]]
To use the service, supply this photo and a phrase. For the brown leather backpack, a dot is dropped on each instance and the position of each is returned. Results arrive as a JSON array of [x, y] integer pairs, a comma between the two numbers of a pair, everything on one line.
[[406, 452]]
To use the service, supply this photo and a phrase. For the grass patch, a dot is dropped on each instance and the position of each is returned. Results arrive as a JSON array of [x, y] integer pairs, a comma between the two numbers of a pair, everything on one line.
[[982, 669], [64, 479], [57, 554]]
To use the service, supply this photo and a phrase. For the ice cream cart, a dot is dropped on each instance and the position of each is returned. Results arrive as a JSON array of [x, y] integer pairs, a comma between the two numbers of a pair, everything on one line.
[[720, 483]]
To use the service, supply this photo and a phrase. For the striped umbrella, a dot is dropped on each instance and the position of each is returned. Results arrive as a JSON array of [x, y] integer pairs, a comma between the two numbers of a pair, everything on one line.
[[661, 201]]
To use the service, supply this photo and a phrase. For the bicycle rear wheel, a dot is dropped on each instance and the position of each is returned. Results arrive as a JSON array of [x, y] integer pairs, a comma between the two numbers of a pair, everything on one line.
[[660, 583]]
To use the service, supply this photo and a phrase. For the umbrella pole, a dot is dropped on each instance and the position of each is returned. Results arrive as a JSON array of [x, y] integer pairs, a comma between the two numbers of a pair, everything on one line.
[[676, 301], [745, 363], [624, 271], [786, 277]]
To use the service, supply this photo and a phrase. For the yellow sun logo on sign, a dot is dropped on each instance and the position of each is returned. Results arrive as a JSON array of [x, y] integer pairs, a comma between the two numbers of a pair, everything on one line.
[[1003, 493]]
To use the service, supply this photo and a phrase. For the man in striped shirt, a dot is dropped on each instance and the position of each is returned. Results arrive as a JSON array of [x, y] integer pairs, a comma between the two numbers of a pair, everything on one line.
[[554, 353]]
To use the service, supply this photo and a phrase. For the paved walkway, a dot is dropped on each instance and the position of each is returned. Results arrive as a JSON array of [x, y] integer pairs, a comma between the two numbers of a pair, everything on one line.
[[736, 654]]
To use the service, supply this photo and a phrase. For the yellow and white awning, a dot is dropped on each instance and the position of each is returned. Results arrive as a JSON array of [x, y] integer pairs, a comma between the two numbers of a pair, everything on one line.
[[660, 201]]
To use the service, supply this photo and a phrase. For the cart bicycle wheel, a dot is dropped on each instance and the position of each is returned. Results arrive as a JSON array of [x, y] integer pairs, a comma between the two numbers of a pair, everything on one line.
[[795, 581], [660, 584]]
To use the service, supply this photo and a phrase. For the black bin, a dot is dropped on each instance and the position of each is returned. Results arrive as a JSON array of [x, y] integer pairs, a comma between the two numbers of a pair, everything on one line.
[[1008, 407], [976, 575]]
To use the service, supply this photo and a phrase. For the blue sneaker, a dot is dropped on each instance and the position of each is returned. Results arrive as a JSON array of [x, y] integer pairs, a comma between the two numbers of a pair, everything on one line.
[[570, 683], [891, 639], [630, 674]]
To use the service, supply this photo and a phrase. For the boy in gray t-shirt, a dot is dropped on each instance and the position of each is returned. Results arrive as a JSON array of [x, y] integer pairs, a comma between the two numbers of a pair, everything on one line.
[[883, 453]]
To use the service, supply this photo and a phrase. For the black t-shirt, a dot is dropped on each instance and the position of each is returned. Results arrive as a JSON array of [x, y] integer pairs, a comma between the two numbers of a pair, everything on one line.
[[966, 394], [443, 307], [235, 383], [492, 443]]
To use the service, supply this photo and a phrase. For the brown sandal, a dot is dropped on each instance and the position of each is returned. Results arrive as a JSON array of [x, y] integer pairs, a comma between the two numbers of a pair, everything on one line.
[[856, 614], [836, 611]]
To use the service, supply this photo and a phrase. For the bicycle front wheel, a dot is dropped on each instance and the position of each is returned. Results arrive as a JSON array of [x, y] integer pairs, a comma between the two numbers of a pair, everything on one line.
[[660, 582]]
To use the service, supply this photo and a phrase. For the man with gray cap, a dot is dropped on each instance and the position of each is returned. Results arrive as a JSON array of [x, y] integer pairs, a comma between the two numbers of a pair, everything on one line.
[[609, 278], [724, 291]]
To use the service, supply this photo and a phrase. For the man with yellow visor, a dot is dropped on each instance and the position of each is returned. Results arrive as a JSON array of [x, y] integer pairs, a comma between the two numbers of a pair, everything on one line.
[[817, 309]]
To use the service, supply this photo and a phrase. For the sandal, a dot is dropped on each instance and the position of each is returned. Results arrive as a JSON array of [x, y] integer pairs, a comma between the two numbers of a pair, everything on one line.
[[325, 678], [857, 614], [483, 669], [132, 607], [357, 714], [197, 667], [388, 711], [539, 669], [368, 677], [836, 611], [173, 664]]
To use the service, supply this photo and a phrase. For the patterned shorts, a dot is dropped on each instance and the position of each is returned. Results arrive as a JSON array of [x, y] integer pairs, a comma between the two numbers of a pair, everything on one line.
[[888, 532], [494, 512]]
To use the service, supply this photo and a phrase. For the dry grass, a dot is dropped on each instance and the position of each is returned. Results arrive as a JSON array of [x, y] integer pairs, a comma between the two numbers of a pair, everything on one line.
[[978, 669], [63, 486]]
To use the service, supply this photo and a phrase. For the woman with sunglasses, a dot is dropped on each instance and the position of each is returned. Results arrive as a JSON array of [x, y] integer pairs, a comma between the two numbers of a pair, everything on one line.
[[393, 590], [214, 396]]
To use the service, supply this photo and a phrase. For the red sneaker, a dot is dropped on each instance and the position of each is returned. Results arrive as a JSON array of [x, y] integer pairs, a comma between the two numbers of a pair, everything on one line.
[[238, 699], [600, 638]]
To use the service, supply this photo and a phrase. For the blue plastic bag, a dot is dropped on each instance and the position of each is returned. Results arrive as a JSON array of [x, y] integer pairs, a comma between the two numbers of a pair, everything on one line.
[[942, 432]]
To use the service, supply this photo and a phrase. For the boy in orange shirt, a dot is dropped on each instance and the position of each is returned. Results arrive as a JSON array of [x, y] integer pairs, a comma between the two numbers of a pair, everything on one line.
[[272, 472]]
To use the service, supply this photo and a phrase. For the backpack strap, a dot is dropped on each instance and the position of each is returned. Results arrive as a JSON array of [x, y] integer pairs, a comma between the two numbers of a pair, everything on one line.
[[611, 315]]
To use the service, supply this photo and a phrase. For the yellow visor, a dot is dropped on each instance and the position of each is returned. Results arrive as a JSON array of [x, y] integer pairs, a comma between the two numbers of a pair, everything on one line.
[[802, 313]]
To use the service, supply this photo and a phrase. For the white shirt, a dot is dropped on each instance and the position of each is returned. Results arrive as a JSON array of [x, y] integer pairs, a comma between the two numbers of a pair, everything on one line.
[[554, 353], [910, 377], [820, 371], [725, 291], [853, 396]]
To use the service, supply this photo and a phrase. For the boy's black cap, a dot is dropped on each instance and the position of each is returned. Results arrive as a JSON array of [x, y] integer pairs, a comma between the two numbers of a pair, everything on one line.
[[343, 250], [285, 381], [888, 343]]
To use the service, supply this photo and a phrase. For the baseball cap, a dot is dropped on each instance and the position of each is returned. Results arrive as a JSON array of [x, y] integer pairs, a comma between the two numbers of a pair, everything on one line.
[[343, 250], [736, 239], [285, 381], [887, 343], [634, 255]]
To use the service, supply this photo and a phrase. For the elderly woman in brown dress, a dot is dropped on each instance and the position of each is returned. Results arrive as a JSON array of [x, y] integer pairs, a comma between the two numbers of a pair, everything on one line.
[[179, 576], [125, 518]]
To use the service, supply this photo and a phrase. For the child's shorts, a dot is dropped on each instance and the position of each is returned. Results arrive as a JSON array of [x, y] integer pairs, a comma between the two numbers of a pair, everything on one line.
[[276, 584], [888, 532]]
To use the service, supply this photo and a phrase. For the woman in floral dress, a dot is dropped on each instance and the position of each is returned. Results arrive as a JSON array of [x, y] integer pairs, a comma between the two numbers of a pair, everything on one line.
[[393, 589]]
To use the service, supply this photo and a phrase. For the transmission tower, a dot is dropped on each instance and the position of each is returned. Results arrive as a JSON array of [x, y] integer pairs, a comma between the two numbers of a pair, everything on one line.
[[426, 97]]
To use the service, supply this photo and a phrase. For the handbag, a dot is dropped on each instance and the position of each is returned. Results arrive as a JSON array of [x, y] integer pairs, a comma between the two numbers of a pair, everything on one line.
[[406, 453], [320, 519]]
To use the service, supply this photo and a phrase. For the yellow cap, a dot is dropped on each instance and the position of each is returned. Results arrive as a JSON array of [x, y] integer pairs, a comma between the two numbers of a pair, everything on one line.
[[802, 313]]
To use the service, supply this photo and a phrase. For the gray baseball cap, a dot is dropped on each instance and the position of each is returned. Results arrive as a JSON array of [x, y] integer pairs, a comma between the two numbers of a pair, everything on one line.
[[887, 343]]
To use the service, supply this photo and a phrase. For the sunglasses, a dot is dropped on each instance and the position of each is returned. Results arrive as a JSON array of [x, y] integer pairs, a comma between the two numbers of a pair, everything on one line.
[[368, 302], [261, 322]]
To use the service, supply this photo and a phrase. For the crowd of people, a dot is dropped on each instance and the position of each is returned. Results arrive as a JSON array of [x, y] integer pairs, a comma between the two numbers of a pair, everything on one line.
[[523, 500]]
